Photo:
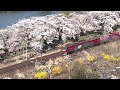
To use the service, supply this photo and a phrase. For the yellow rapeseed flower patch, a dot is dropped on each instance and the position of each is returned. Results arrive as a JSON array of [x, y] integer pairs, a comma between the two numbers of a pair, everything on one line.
[[114, 59], [106, 57], [56, 70], [109, 57], [91, 58], [41, 75]]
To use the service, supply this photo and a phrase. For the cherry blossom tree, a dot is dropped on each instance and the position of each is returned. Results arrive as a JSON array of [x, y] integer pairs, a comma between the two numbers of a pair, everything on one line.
[[4, 41], [36, 32]]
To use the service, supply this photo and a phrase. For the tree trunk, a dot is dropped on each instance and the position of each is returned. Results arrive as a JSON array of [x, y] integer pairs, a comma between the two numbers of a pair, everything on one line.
[[6, 52], [41, 55], [26, 52], [23, 52], [36, 62]]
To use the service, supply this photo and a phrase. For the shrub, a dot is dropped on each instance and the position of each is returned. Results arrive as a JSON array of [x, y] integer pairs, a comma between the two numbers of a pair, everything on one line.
[[91, 58], [109, 57], [80, 72], [41, 75], [106, 57], [56, 70], [93, 75], [113, 59]]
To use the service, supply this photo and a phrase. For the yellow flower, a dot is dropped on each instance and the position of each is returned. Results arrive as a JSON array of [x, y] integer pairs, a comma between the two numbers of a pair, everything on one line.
[[41, 75], [91, 58], [110, 57], [106, 57], [114, 59], [56, 70], [81, 61]]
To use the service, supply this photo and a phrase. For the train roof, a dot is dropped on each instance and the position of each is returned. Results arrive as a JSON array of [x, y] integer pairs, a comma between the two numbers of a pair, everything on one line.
[[85, 41]]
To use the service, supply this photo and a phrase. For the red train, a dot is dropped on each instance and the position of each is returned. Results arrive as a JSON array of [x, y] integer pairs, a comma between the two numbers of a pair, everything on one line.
[[82, 45]]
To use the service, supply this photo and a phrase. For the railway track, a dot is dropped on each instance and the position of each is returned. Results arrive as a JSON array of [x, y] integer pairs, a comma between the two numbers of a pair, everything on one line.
[[29, 63]]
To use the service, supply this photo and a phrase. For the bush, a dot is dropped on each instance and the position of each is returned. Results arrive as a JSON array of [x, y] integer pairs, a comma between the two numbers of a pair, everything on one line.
[[56, 70], [80, 72], [91, 58], [109, 57], [93, 75], [41, 75]]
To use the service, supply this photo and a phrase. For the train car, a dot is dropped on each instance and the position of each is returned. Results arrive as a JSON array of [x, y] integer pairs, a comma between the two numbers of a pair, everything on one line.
[[83, 45], [114, 36], [110, 37]]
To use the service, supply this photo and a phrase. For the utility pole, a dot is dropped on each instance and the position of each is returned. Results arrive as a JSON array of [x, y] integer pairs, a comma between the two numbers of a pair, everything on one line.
[[36, 62], [41, 55], [26, 53], [26, 47], [41, 50], [69, 72], [69, 62]]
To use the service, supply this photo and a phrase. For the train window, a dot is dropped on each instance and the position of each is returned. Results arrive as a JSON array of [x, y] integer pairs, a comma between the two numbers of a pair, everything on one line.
[[79, 47]]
